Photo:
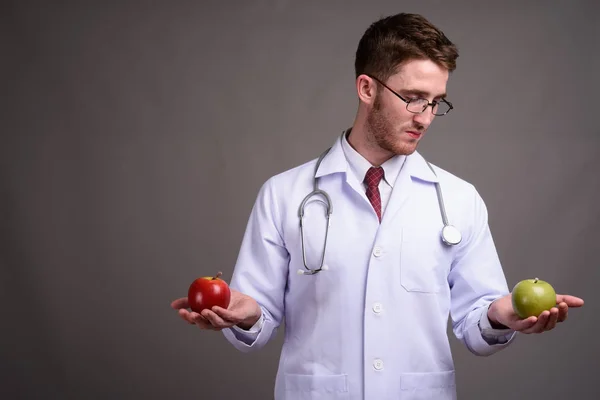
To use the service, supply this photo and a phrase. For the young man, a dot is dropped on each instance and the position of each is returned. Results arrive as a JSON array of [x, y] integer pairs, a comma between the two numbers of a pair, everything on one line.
[[372, 324]]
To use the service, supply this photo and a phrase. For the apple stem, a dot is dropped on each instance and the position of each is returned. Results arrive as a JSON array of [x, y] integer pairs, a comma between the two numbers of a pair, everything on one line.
[[218, 275], [535, 280]]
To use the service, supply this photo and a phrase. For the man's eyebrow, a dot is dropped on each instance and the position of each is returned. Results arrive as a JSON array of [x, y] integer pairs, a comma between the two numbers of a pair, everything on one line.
[[421, 93]]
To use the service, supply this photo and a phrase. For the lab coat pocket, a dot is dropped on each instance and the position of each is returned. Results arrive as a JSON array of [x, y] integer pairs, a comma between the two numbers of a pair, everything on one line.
[[304, 387], [429, 385], [424, 261]]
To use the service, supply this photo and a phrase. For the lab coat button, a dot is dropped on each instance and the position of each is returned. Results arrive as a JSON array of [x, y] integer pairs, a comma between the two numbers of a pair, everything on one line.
[[377, 307], [378, 364], [377, 251]]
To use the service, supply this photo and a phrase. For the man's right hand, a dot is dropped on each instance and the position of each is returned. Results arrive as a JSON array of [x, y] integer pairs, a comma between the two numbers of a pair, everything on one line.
[[243, 311]]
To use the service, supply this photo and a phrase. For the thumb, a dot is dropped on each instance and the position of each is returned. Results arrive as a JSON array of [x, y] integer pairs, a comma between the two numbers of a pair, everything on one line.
[[180, 303], [571, 301]]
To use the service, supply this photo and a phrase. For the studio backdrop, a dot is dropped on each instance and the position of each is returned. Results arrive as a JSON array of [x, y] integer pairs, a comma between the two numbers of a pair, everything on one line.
[[135, 137]]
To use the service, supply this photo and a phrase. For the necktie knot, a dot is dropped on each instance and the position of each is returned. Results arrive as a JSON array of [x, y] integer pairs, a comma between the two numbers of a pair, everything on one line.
[[373, 176]]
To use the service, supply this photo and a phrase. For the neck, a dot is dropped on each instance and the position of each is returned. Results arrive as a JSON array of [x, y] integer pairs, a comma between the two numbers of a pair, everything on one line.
[[363, 141]]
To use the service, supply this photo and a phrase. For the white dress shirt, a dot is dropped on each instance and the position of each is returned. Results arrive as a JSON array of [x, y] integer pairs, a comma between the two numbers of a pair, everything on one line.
[[359, 166]]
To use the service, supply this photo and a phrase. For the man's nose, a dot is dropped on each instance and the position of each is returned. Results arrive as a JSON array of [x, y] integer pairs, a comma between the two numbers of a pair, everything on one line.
[[425, 118]]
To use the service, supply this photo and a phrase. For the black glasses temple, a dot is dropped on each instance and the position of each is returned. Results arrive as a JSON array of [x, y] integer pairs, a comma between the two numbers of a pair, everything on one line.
[[408, 101]]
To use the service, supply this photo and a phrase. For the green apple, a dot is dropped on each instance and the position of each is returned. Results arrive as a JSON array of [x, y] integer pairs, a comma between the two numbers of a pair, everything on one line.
[[531, 297]]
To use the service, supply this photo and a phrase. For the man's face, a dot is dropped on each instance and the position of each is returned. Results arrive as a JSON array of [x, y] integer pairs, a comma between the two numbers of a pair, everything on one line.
[[389, 124]]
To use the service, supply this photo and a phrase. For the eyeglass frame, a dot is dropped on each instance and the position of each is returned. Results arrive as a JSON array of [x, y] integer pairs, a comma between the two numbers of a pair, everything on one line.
[[432, 104]]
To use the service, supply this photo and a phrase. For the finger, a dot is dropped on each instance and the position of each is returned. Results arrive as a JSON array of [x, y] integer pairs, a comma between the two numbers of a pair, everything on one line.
[[524, 324], [194, 318], [185, 315], [571, 301], [215, 320], [202, 322], [563, 312], [540, 324], [552, 319], [180, 303], [227, 315]]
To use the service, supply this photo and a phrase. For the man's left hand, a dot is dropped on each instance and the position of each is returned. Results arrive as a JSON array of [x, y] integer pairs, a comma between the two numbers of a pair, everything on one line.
[[501, 313]]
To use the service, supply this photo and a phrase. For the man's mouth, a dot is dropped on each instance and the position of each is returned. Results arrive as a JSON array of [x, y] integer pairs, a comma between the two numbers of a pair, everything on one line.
[[414, 134]]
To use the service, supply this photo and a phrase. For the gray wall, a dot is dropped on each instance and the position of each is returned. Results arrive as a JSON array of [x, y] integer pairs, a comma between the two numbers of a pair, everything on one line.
[[135, 137]]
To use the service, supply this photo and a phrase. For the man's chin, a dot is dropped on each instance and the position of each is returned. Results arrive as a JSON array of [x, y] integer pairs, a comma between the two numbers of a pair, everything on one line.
[[406, 149], [401, 146]]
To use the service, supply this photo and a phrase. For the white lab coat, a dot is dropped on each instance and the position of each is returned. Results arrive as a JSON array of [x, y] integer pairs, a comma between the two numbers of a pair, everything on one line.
[[374, 325]]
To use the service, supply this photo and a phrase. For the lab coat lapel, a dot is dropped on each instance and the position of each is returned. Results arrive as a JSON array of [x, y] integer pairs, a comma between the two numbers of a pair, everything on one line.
[[335, 161], [414, 166], [400, 193]]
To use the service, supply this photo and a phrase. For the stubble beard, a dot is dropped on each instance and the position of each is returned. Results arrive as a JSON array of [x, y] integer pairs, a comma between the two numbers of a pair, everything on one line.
[[383, 134]]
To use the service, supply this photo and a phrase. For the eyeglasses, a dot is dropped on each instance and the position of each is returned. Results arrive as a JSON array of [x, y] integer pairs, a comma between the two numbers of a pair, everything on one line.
[[419, 105]]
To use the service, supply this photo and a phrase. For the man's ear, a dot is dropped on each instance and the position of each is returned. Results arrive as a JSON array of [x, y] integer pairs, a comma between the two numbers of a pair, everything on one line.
[[366, 89]]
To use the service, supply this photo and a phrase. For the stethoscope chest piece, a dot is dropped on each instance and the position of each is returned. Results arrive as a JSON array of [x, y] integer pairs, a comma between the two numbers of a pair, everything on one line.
[[451, 235]]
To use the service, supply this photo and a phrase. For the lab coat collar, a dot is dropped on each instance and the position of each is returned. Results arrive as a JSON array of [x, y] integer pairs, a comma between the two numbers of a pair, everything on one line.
[[417, 167], [335, 161]]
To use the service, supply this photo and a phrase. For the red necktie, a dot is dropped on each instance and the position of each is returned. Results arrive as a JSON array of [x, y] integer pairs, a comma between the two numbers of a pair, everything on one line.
[[372, 179]]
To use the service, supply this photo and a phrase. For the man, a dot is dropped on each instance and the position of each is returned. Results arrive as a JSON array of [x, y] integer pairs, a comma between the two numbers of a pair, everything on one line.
[[372, 324]]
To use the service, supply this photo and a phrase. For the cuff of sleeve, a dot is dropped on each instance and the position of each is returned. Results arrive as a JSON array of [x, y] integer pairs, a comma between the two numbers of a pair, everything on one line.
[[491, 335], [253, 331]]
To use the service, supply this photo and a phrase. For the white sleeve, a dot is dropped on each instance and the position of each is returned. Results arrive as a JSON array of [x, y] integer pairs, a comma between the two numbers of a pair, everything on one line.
[[261, 270], [476, 279]]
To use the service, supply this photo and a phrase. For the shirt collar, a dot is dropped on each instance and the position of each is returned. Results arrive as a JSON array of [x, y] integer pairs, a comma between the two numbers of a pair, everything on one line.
[[336, 161], [359, 165]]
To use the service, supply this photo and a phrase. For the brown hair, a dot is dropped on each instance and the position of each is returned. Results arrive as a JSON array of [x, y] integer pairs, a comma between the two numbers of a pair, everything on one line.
[[394, 40]]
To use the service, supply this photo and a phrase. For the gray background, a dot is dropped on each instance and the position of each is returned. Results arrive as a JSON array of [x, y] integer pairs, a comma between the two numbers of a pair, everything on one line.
[[135, 137]]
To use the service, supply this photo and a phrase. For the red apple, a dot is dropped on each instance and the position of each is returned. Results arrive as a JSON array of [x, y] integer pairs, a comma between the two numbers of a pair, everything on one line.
[[207, 292]]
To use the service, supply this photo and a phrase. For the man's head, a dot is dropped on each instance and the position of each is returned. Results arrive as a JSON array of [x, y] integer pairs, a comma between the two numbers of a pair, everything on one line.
[[394, 40], [407, 55]]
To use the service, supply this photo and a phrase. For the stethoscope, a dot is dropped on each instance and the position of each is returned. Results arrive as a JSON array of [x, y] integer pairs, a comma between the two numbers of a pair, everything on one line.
[[451, 236]]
